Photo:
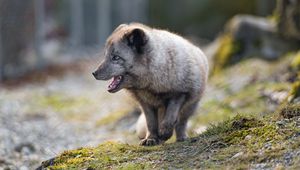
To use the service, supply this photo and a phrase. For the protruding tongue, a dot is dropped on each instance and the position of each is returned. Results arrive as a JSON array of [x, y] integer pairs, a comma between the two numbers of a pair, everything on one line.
[[115, 82]]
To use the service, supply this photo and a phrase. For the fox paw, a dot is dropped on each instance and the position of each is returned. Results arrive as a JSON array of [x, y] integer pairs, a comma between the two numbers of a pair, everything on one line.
[[166, 131], [181, 139], [149, 142]]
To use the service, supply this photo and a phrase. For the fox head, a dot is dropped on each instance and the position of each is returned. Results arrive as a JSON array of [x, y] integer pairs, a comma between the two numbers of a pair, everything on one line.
[[125, 59]]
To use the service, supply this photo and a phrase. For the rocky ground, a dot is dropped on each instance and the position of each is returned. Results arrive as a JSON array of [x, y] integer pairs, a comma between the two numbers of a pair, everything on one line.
[[41, 117]]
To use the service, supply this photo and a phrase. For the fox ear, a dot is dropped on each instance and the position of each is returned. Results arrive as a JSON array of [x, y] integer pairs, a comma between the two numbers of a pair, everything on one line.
[[137, 39]]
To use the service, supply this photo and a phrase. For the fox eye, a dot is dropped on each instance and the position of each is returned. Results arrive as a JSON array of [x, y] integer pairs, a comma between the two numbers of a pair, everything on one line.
[[115, 58]]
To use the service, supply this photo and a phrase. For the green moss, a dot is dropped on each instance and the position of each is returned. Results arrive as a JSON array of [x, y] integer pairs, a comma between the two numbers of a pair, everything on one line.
[[277, 86], [259, 136], [112, 117], [130, 166], [274, 17], [251, 133], [295, 64], [252, 136], [288, 107], [212, 111], [236, 123], [62, 102], [246, 99], [295, 91], [289, 110], [214, 149], [71, 108], [228, 47], [107, 155]]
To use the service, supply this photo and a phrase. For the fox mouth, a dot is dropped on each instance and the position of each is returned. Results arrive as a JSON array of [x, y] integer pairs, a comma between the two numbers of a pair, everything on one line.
[[114, 86]]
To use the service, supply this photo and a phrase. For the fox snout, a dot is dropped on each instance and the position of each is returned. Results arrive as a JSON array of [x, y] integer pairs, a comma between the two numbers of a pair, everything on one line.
[[103, 72], [95, 75], [100, 76]]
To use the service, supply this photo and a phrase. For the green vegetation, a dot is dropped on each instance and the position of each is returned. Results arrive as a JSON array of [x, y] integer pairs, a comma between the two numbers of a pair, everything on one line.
[[70, 107], [289, 110], [113, 117], [239, 89], [295, 92], [227, 49], [295, 64], [290, 107], [241, 139], [62, 102]]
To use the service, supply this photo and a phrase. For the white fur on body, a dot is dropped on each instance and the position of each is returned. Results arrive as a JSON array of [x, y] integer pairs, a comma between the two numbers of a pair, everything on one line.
[[176, 66]]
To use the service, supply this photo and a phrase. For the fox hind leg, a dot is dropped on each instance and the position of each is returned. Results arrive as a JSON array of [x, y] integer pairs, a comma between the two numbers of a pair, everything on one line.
[[181, 124]]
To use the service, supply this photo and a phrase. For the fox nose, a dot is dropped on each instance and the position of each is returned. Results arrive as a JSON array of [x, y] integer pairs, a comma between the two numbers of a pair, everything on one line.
[[94, 74]]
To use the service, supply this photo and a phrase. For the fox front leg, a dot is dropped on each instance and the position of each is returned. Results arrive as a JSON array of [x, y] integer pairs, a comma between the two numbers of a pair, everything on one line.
[[167, 124], [152, 127]]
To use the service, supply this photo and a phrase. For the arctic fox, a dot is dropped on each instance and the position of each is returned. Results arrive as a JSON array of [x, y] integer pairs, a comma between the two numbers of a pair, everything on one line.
[[164, 72]]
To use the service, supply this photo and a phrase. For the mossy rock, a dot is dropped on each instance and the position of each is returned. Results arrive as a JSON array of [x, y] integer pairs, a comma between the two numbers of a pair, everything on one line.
[[249, 36], [227, 49], [294, 70], [225, 145], [295, 92], [291, 106]]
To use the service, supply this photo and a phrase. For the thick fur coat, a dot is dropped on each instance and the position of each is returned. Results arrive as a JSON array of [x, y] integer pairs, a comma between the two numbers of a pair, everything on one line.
[[164, 72]]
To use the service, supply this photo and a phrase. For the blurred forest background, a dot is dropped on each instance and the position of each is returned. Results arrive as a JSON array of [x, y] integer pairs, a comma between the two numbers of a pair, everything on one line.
[[49, 101], [34, 33]]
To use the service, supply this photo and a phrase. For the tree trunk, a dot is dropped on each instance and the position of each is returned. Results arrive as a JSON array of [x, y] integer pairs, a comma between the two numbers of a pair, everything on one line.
[[16, 28]]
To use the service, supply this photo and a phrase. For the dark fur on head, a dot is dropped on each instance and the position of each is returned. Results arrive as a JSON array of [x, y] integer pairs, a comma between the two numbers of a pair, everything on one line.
[[129, 43], [136, 39]]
